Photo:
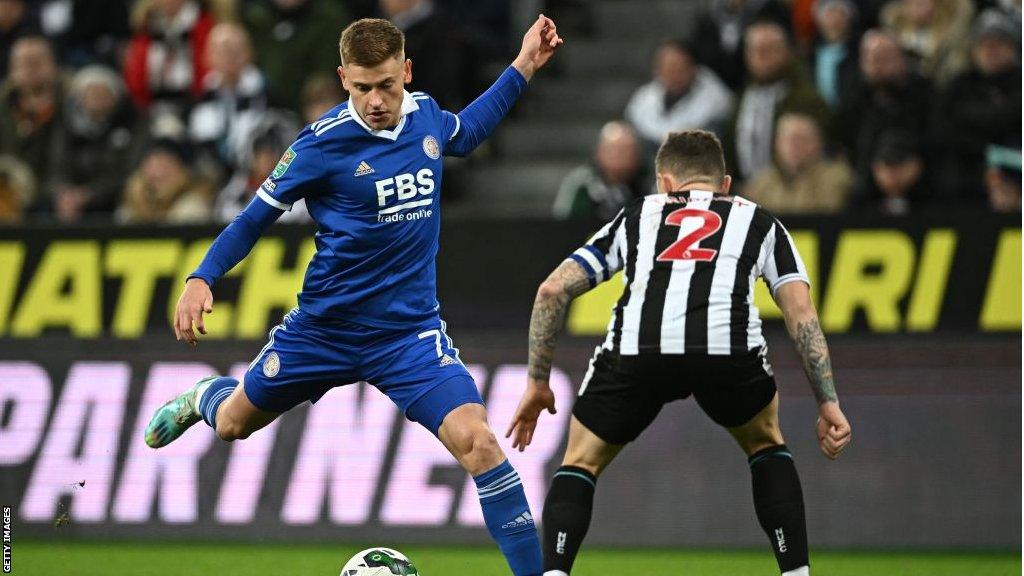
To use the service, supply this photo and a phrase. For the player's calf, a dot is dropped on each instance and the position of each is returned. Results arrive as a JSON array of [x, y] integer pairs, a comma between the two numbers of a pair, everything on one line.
[[779, 504], [567, 512], [507, 514], [778, 498], [217, 400], [234, 417], [570, 502]]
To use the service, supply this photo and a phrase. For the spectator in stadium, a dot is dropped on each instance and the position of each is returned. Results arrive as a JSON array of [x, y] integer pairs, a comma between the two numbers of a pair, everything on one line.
[[234, 97], [886, 94], [682, 95], [802, 180], [163, 189], [320, 93], [223, 10], [897, 175], [614, 177], [933, 32], [260, 149], [165, 61], [293, 40], [776, 84], [1002, 179], [94, 151], [17, 188], [435, 46], [16, 21], [85, 32], [1010, 8], [982, 106], [30, 111], [834, 56], [720, 34]]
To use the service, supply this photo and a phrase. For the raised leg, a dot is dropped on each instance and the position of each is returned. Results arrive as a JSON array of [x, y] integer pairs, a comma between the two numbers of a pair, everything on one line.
[[219, 401]]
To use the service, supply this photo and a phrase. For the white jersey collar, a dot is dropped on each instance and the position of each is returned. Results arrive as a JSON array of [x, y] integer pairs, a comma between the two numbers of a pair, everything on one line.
[[408, 105], [697, 194]]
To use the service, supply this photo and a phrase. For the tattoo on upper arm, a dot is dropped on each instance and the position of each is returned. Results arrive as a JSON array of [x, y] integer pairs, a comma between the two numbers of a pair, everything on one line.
[[548, 318], [810, 343]]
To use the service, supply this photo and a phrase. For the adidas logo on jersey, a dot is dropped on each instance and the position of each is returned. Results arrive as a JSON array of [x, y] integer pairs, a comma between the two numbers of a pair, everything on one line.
[[363, 169], [524, 519], [447, 360]]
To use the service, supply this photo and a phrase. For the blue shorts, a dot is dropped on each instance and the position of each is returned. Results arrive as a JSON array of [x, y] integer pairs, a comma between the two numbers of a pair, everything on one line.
[[418, 368]]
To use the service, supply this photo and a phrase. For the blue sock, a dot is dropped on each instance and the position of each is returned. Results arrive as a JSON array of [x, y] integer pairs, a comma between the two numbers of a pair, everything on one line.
[[508, 518], [210, 399]]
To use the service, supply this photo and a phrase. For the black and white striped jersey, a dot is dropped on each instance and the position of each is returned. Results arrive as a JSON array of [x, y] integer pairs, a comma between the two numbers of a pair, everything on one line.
[[690, 261]]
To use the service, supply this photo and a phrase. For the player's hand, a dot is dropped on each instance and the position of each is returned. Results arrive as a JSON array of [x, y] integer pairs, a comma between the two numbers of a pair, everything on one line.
[[538, 397], [833, 430], [539, 44], [195, 300]]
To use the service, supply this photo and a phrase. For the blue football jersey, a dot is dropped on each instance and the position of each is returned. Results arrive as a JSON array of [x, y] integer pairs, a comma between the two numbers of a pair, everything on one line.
[[375, 198]]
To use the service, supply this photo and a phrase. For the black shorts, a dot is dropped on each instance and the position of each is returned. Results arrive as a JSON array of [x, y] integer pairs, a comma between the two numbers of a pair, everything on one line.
[[622, 395]]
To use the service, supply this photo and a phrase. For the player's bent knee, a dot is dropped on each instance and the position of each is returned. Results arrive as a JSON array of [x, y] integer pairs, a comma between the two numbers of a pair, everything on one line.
[[588, 465], [229, 430], [756, 438], [483, 451], [486, 448], [226, 432], [592, 461], [589, 458]]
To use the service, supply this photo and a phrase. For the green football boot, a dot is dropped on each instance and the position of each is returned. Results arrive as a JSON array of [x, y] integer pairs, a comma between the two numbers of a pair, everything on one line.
[[172, 419]]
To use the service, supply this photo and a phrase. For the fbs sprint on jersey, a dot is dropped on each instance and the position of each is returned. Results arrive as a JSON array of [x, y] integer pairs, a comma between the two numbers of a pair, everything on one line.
[[405, 197]]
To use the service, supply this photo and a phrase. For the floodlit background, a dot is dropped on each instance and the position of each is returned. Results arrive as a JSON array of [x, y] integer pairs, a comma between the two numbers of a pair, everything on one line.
[[885, 134]]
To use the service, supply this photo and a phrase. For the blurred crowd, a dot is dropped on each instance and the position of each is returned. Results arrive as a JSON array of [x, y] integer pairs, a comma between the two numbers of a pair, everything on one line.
[[831, 106], [171, 111]]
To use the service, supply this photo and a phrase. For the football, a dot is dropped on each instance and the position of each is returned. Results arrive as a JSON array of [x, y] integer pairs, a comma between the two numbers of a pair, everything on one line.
[[379, 562]]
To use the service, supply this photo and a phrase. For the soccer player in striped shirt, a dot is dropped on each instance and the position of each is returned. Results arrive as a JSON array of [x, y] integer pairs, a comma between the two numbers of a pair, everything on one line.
[[685, 325], [370, 173]]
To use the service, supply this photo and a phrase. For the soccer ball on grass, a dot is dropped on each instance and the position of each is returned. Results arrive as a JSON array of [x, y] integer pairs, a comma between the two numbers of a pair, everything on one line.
[[379, 562]]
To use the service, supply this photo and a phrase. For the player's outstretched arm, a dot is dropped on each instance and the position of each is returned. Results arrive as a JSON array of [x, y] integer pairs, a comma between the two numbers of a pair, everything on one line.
[[539, 44], [232, 245], [466, 130], [802, 323], [555, 294], [195, 300]]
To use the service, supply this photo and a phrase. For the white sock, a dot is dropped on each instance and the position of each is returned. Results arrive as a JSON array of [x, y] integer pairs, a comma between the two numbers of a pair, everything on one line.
[[801, 571], [555, 573], [199, 395]]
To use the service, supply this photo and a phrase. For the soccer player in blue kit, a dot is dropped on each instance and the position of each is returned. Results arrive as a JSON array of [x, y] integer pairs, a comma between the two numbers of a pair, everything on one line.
[[370, 173]]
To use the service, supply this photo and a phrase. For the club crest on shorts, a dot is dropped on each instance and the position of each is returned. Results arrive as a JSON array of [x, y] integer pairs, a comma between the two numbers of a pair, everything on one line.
[[271, 365], [431, 147]]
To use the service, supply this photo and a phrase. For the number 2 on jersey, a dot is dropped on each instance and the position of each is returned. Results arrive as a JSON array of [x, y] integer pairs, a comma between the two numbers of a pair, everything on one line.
[[682, 249]]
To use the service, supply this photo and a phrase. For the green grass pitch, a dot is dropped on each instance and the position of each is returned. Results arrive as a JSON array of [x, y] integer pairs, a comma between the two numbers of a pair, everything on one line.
[[147, 559]]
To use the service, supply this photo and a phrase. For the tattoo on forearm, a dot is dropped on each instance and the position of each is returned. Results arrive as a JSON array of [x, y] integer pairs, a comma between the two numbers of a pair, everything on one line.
[[548, 318], [810, 343]]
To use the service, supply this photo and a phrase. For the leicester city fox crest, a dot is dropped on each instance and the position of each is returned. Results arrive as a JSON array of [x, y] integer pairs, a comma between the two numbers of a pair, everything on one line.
[[431, 148], [271, 365]]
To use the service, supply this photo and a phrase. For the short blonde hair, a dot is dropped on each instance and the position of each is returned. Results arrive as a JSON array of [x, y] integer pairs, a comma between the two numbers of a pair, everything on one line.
[[370, 41]]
